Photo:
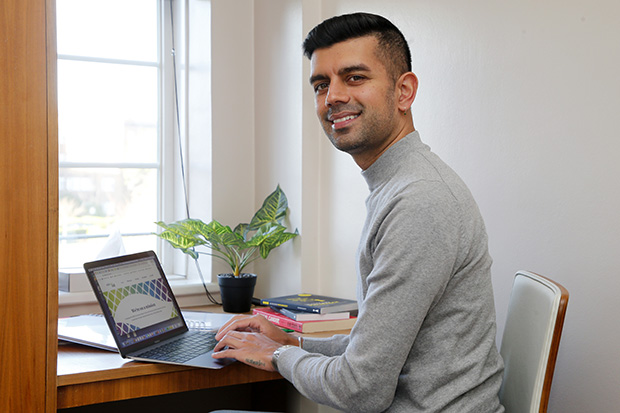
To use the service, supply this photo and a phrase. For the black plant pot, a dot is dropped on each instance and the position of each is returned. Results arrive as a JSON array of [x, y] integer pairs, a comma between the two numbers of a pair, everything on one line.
[[237, 292]]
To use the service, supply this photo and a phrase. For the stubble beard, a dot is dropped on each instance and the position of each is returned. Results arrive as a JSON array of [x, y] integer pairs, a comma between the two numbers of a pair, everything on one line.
[[374, 130], [341, 141]]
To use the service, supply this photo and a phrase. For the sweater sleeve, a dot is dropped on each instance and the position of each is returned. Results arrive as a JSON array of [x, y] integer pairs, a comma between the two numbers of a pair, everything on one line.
[[331, 346], [410, 248]]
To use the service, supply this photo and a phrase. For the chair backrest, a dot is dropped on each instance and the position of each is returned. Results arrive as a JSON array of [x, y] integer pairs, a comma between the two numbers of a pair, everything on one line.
[[530, 342]]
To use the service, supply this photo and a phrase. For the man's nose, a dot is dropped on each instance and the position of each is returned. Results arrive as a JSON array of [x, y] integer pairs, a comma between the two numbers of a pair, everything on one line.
[[337, 93]]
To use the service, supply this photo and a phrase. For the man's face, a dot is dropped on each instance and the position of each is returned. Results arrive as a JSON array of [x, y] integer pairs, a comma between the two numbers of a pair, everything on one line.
[[355, 97]]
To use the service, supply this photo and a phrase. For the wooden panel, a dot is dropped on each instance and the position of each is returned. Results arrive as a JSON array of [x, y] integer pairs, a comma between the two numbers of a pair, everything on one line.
[[24, 248], [155, 385], [82, 379], [52, 206]]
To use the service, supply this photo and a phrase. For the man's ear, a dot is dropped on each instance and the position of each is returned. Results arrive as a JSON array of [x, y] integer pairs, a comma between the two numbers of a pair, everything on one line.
[[407, 88]]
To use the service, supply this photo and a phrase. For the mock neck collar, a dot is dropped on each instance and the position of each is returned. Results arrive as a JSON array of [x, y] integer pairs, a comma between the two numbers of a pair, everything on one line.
[[388, 163]]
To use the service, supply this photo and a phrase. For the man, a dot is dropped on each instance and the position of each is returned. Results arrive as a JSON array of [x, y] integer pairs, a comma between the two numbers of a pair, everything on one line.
[[425, 336]]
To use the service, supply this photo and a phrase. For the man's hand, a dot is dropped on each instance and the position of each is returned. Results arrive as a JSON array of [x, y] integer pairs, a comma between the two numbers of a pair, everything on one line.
[[253, 349], [251, 340]]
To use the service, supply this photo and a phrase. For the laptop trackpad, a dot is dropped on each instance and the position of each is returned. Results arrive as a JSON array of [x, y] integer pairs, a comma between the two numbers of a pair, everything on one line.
[[205, 360]]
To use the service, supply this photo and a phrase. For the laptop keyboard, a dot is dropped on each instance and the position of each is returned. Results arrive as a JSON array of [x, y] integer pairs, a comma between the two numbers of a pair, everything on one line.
[[192, 344]]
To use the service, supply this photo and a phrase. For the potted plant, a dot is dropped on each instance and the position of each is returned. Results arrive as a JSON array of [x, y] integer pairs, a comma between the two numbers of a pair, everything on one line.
[[238, 247]]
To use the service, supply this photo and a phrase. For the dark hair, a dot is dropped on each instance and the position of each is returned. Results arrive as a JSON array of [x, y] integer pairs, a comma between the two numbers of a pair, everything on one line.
[[393, 46]]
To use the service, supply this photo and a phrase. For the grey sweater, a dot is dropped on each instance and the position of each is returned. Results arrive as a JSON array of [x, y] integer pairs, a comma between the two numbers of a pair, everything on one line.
[[425, 336]]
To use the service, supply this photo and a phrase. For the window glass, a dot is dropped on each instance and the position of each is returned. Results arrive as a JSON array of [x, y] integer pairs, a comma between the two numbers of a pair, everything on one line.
[[108, 126], [113, 29], [107, 112], [97, 201]]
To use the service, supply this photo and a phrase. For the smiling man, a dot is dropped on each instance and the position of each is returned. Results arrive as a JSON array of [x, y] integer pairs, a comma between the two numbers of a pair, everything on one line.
[[361, 103], [424, 340]]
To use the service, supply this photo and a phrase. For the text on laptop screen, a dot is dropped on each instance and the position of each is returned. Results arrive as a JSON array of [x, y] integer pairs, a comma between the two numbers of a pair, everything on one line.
[[138, 300]]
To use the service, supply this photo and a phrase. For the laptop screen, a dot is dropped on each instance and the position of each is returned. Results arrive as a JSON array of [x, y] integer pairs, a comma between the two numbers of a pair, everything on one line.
[[135, 298]]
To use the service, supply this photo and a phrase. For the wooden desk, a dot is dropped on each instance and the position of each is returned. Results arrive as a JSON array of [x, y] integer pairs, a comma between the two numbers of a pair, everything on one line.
[[88, 376]]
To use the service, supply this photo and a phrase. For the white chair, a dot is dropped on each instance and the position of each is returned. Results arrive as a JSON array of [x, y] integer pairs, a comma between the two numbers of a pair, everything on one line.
[[530, 342]]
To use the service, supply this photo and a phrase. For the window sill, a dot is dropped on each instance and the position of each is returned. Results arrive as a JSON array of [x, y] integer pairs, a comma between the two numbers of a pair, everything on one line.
[[189, 293]]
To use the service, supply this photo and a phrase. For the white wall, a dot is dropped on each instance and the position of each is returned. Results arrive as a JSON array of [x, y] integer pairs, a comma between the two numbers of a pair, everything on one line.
[[278, 131], [522, 99], [233, 135], [519, 97]]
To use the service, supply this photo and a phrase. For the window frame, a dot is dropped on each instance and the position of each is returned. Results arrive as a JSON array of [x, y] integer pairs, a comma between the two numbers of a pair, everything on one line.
[[170, 186]]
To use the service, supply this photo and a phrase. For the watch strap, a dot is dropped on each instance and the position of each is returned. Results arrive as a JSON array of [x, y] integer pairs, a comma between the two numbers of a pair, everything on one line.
[[276, 355]]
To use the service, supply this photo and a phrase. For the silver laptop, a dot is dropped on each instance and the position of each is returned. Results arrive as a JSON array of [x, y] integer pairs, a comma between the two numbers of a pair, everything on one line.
[[143, 315]]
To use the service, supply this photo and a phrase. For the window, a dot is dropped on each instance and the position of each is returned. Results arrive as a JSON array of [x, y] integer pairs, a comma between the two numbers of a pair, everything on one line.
[[113, 125]]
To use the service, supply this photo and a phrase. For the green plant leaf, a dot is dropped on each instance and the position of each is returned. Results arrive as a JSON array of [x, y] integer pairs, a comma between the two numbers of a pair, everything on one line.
[[262, 234], [273, 210], [238, 247], [178, 237], [242, 230], [275, 241]]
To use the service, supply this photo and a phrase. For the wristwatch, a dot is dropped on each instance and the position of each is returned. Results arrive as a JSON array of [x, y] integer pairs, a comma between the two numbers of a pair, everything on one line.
[[276, 355]]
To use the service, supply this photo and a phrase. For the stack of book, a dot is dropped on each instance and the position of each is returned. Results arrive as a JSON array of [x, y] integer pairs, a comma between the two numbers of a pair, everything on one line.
[[309, 313]]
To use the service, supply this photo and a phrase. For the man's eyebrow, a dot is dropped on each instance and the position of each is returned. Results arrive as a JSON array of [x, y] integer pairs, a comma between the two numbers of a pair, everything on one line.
[[345, 70], [317, 78], [356, 68]]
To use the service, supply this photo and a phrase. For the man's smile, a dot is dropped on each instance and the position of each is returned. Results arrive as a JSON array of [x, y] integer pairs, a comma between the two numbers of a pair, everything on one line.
[[340, 121]]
